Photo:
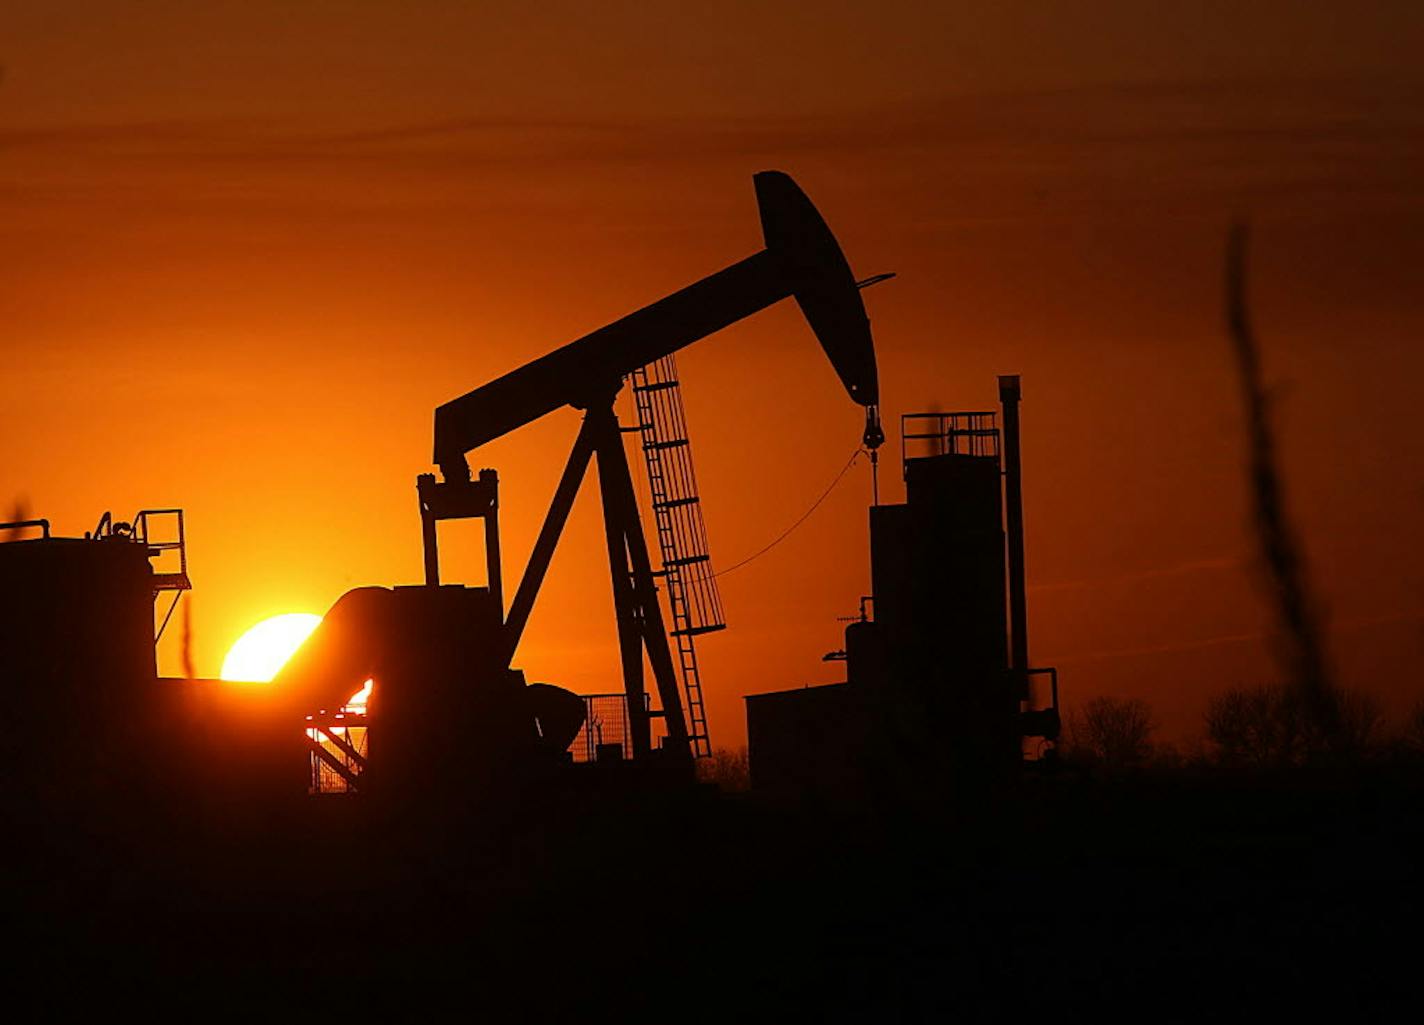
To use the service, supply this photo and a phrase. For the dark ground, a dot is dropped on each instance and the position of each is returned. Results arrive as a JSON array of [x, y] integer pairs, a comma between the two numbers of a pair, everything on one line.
[[1159, 898]]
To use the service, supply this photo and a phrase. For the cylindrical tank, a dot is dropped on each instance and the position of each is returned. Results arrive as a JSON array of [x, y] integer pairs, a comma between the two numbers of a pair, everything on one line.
[[940, 605], [76, 650]]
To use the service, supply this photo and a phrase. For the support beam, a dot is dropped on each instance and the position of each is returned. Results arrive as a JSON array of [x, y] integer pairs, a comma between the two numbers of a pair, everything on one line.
[[429, 542], [461, 500], [635, 598], [494, 569], [341, 743], [620, 511], [630, 634], [801, 259], [574, 374], [547, 541], [353, 780]]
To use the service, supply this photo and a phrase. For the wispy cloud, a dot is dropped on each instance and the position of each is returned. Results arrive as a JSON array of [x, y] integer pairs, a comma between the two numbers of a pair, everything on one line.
[[1183, 137], [1221, 564], [1104, 654], [1346, 626]]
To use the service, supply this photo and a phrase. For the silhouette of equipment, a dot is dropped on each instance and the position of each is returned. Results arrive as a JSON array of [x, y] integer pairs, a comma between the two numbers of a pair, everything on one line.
[[937, 680], [802, 260], [447, 717], [937, 696], [77, 643], [443, 705]]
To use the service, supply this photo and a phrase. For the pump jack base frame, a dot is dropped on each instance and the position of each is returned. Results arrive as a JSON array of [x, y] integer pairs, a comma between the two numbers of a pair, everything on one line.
[[635, 596]]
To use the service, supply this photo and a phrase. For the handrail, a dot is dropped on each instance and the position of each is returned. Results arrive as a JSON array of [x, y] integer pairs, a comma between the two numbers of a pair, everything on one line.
[[177, 581], [1052, 673], [22, 524], [959, 433]]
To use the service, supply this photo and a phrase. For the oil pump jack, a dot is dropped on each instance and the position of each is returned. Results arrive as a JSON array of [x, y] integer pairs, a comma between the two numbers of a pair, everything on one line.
[[447, 712], [802, 260]]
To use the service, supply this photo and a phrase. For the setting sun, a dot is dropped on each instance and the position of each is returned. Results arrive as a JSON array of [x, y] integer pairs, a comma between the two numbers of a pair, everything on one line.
[[260, 653]]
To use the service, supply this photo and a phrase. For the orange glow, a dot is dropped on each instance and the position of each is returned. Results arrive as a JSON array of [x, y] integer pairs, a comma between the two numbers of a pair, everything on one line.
[[355, 705], [259, 654], [357, 701], [282, 275]]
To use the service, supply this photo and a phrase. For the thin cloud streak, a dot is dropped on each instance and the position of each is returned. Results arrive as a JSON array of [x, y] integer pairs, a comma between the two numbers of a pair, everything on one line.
[[1197, 136], [1348, 626], [1213, 565]]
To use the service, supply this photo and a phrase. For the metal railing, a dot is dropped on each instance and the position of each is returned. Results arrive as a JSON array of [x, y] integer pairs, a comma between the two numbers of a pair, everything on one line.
[[605, 723], [974, 433], [147, 529], [9, 531]]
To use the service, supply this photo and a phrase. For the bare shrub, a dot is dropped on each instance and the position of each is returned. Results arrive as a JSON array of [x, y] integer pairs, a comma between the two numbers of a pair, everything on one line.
[[726, 767], [1254, 726], [1276, 725], [1115, 733], [1413, 733], [1361, 721], [1168, 757]]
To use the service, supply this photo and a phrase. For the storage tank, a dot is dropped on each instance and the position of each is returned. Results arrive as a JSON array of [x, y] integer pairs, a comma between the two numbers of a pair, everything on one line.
[[76, 652], [938, 576]]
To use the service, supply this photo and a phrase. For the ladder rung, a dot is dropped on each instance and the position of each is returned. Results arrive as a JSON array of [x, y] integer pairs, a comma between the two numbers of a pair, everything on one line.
[[658, 426], [655, 386], [687, 560], [695, 631]]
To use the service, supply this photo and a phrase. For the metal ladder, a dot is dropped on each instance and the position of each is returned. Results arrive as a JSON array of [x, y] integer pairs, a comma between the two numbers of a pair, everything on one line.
[[694, 604]]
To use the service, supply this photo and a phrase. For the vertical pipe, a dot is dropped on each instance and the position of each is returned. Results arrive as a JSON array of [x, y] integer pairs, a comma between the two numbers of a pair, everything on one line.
[[423, 484], [494, 573], [1009, 396]]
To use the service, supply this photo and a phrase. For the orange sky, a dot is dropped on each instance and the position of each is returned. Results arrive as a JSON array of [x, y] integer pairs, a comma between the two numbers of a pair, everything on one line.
[[250, 249]]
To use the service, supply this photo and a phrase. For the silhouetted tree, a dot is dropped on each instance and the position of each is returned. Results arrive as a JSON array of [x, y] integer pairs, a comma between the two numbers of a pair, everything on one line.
[[1113, 732], [1361, 721], [1413, 733], [1277, 725], [1255, 726]]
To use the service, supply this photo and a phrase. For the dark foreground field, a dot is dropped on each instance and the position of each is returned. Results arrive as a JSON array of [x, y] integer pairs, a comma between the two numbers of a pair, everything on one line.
[[1163, 898]]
